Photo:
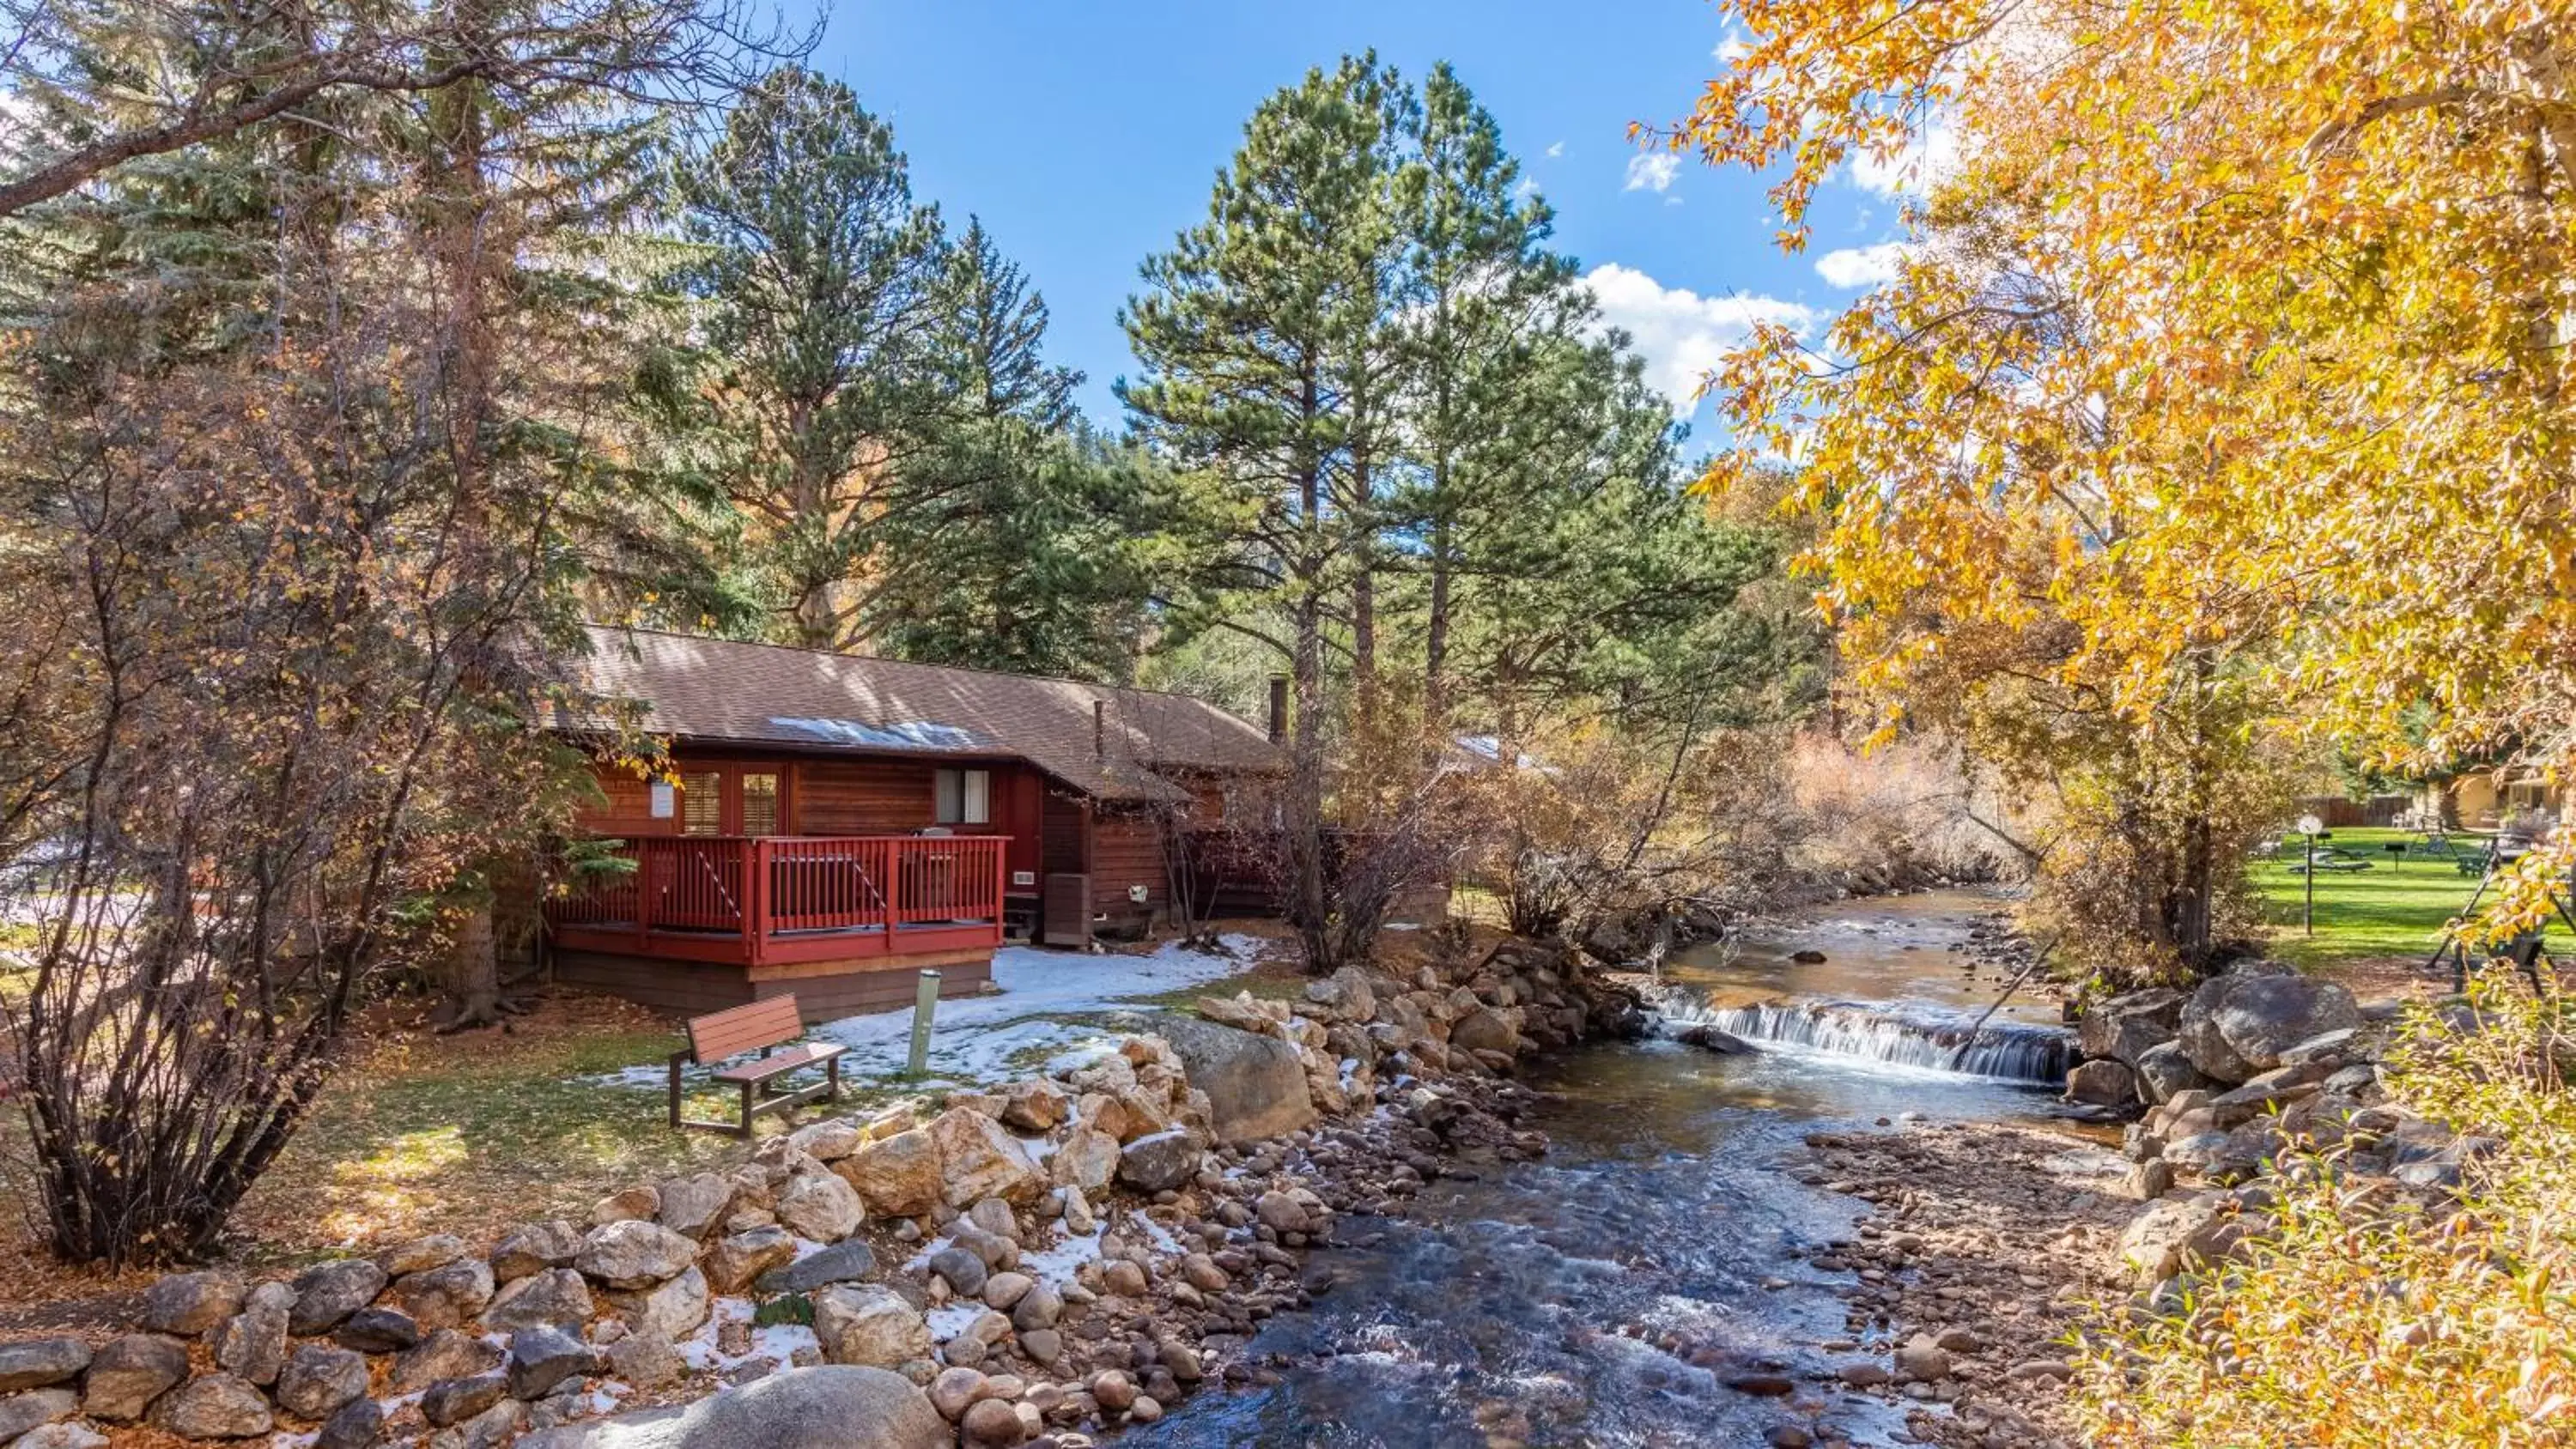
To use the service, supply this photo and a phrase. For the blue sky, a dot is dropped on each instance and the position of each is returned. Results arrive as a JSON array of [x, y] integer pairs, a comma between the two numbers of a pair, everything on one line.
[[1087, 135]]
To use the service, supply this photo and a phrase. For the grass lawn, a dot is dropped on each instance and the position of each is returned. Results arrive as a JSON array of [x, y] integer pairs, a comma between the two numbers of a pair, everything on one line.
[[2393, 912]]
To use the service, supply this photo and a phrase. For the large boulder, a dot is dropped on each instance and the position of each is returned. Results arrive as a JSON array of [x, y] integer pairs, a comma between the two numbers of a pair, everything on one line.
[[897, 1175], [2238, 1024], [1256, 1085], [319, 1379], [2102, 1082], [1484, 1030], [252, 1343], [534, 1248], [128, 1373], [635, 1254], [557, 1296], [673, 1309], [978, 1159], [821, 1206], [832, 1406], [188, 1304], [2179, 1234], [2166, 1070], [38, 1362], [867, 1323], [1160, 1162], [2125, 1027], [213, 1406], [327, 1293]]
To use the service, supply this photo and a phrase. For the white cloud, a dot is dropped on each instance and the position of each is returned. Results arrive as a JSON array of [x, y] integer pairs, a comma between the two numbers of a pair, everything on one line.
[[1681, 334], [1652, 171], [1524, 189], [1853, 267], [1929, 155], [1732, 49], [1555, 149]]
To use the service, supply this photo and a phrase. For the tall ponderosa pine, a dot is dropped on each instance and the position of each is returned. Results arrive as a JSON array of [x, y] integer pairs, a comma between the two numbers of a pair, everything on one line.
[[821, 282], [1265, 343]]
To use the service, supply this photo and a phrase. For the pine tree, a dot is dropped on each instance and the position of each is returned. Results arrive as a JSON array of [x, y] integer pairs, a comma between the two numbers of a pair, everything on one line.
[[1265, 347]]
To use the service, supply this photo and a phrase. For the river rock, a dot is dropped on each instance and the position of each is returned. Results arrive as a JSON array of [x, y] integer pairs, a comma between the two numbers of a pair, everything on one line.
[[739, 1258], [1160, 1162], [840, 1263], [327, 1293], [188, 1304], [318, 1379], [2156, 1245], [1484, 1030], [1256, 1085], [964, 1272], [1035, 1105], [556, 1295], [448, 1296], [533, 1248], [358, 1424], [451, 1401], [632, 1254], [540, 1358], [419, 1255], [826, 1407], [61, 1436], [1922, 1360], [2126, 1027], [646, 1360], [1088, 1159], [252, 1343], [692, 1206], [979, 1159], [869, 1324], [673, 1309], [213, 1406], [2102, 1082], [897, 1175], [377, 1330], [128, 1373], [2165, 1070], [2238, 1024], [821, 1206], [35, 1408], [446, 1354], [628, 1205], [37, 1363]]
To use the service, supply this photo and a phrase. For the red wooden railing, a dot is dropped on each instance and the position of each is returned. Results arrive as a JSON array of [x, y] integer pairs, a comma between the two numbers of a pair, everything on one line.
[[772, 887]]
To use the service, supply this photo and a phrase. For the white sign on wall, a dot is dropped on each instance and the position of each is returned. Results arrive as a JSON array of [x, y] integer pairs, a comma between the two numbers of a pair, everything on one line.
[[665, 801]]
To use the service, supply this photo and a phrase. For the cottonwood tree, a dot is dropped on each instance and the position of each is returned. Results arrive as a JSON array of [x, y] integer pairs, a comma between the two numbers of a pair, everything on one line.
[[2302, 278]]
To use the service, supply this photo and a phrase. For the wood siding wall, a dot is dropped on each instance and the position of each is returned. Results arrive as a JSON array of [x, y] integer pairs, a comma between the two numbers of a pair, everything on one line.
[[862, 797], [1127, 850]]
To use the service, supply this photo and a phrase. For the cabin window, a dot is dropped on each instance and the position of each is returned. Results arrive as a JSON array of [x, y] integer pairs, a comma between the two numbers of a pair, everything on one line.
[[963, 797], [702, 802], [759, 802]]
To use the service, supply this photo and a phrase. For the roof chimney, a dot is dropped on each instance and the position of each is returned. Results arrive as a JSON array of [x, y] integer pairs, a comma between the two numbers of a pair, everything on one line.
[[1278, 708], [1100, 729]]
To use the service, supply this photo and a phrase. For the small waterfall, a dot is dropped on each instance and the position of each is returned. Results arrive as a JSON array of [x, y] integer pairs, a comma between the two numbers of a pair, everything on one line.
[[2008, 1051]]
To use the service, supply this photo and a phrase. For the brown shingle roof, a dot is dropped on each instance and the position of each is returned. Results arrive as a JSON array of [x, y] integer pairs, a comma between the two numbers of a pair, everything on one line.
[[715, 690]]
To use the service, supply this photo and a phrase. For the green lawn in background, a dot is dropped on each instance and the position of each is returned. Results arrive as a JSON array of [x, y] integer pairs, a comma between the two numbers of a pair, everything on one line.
[[2395, 909]]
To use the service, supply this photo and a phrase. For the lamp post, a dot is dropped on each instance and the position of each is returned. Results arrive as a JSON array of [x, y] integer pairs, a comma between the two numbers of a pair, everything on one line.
[[2309, 826]]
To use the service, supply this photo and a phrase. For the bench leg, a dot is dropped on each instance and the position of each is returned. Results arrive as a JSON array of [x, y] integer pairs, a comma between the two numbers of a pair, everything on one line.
[[832, 1074], [676, 1059], [748, 1091]]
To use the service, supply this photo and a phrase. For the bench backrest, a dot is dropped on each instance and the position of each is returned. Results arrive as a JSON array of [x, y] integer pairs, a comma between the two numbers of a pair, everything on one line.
[[738, 1029]]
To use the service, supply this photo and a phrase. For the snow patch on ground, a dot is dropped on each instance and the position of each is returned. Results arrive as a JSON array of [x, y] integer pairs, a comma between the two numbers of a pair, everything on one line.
[[1058, 1264], [949, 1320], [975, 1040]]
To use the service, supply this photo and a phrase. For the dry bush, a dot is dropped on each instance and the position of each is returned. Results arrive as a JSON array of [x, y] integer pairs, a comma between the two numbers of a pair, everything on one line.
[[1906, 814], [2362, 1321]]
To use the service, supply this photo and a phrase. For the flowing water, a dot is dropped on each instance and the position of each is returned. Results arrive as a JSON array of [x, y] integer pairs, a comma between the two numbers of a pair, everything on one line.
[[1525, 1305]]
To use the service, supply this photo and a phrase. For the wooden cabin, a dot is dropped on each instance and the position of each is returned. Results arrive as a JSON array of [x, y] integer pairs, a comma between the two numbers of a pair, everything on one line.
[[829, 824]]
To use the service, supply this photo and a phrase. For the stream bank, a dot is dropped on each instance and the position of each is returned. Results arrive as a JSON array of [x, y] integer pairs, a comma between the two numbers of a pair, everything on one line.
[[1725, 1249]]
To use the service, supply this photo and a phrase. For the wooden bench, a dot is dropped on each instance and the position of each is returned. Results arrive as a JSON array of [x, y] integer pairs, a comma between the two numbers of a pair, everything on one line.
[[765, 1025]]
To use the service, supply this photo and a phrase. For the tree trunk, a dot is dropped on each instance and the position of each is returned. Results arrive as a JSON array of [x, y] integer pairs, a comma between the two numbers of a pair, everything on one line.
[[472, 979]]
